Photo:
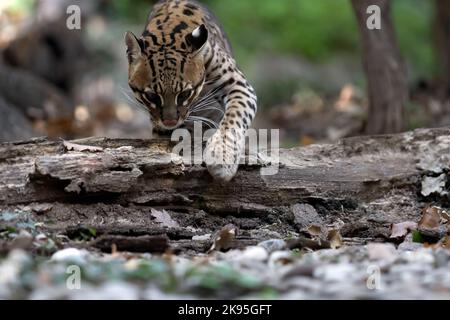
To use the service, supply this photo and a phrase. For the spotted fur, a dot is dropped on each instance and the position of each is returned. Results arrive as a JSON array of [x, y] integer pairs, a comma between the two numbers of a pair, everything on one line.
[[182, 70]]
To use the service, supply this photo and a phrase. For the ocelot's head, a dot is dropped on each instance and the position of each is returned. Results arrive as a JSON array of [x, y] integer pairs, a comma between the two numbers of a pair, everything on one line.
[[167, 78]]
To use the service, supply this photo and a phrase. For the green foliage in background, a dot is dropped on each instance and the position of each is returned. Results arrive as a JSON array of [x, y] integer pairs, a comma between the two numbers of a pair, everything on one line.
[[18, 5], [135, 11], [414, 23], [304, 27], [316, 30]]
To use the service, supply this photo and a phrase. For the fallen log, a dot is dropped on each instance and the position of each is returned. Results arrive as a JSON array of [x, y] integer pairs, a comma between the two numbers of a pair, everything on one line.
[[138, 188]]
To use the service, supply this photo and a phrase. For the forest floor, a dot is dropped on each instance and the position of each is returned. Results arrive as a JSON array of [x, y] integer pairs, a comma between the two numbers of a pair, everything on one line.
[[355, 272], [363, 218]]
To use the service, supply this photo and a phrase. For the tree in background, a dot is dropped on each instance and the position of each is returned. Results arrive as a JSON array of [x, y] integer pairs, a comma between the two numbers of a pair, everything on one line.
[[442, 40], [385, 70]]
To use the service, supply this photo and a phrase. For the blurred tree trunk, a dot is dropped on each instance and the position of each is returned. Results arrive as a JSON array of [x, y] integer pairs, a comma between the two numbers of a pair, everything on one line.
[[14, 125], [442, 38], [30, 106], [385, 70]]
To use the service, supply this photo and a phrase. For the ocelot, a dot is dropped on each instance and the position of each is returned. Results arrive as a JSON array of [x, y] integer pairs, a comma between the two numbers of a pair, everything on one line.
[[182, 70]]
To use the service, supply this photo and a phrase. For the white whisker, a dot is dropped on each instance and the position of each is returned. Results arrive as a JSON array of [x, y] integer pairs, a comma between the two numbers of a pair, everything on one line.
[[193, 121], [210, 108], [203, 105], [133, 101], [209, 96], [204, 120], [207, 107]]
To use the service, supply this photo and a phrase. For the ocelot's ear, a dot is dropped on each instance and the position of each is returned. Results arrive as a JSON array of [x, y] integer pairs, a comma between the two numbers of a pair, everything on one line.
[[134, 47], [197, 38]]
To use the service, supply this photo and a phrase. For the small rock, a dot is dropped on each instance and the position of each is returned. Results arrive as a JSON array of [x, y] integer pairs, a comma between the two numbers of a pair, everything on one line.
[[254, 254], [432, 185], [42, 208], [335, 273], [305, 215], [273, 245], [71, 255], [381, 251]]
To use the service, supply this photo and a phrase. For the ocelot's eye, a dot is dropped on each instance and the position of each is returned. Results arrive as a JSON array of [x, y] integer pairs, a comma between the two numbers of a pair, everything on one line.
[[152, 98], [183, 96]]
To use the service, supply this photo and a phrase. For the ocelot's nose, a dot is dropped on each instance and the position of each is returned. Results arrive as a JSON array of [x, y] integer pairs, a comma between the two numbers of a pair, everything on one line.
[[169, 113], [170, 123]]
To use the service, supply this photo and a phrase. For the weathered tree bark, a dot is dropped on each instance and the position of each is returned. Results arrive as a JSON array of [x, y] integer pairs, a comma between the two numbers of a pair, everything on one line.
[[442, 40], [385, 70], [137, 189]]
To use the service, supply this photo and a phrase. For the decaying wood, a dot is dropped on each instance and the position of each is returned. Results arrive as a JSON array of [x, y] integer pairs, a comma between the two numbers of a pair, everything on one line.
[[137, 188]]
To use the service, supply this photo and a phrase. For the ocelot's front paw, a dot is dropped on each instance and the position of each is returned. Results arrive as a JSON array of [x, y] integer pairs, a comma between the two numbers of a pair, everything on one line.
[[222, 155]]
